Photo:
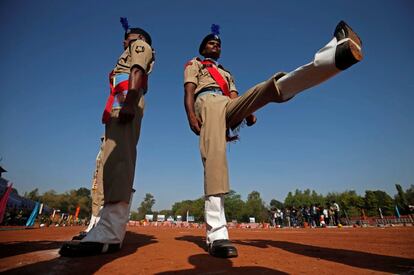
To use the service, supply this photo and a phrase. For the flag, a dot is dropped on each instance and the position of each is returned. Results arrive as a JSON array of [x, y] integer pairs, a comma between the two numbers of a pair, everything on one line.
[[41, 209], [397, 212], [380, 212], [77, 212], [32, 218], [3, 202]]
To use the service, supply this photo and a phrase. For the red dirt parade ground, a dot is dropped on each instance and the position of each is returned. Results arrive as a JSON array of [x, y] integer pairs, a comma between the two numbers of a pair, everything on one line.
[[161, 250]]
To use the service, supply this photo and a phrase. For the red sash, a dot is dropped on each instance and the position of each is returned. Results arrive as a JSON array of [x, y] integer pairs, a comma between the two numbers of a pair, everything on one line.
[[215, 74], [122, 86]]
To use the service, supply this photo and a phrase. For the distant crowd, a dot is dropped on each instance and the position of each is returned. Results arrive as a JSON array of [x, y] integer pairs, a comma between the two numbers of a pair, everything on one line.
[[307, 216]]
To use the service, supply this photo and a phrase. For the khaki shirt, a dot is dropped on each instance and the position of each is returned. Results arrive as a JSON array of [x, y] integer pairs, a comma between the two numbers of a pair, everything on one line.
[[139, 53], [197, 73]]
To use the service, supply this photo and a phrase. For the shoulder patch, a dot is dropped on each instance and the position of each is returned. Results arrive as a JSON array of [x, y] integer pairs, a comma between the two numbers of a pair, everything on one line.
[[189, 63], [140, 49]]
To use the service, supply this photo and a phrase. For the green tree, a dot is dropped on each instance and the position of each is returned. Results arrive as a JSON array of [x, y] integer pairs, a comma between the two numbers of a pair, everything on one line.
[[146, 206], [401, 200], [66, 202], [409, 194], [378, 199], [166, 212], [233, 206], [349, 202], [255, 207], [52, 199], [305, 198], [83, 192], [32, 195], [276, 204], [134, 216], [194, 207]]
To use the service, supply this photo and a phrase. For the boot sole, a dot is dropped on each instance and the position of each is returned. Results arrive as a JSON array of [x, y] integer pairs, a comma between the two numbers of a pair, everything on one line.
[[349, 52]]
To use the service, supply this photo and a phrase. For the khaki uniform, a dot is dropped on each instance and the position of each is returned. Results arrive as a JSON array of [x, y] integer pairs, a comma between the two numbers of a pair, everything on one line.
[[97, 184], [119, 152], [219, 112]]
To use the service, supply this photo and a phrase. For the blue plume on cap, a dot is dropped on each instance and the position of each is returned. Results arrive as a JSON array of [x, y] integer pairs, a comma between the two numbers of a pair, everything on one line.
[[124, 22], [215, 29]]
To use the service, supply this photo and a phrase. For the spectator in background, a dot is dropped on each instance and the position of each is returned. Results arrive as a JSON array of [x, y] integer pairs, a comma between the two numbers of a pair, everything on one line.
[[287, 215], [336, 213], [315, 216], [278, 218], [331, 214], [326, 214], [293, 217]]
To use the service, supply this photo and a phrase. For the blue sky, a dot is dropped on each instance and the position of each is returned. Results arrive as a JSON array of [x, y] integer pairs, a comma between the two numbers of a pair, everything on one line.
[[354, 132]]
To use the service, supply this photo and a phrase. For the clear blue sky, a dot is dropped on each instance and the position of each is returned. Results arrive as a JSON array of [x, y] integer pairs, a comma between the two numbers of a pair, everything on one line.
[[354, 132]]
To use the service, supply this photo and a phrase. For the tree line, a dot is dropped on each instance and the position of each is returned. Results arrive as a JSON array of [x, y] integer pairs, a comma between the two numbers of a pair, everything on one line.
[[352, 204], [238, 209], [66, 202]]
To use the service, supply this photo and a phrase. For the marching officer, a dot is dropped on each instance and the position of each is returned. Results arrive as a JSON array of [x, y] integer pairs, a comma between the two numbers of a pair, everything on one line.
[[213, 106], [122, 118]]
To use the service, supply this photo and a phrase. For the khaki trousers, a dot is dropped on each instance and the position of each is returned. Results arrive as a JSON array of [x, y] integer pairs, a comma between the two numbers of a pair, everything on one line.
[[217, 113], [119, 154], [97, 184]]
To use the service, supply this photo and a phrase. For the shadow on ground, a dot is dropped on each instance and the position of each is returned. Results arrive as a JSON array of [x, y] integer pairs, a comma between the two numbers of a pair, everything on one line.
[[348, 257], [199, 241], [9, 249], [84, 265], [204, 263]]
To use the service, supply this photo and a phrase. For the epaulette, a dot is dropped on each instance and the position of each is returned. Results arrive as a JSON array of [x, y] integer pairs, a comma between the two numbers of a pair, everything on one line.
[[191, 62], [221, 67]]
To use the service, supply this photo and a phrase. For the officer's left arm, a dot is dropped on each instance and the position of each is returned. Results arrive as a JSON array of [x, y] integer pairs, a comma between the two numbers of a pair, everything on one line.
[[126, 114]]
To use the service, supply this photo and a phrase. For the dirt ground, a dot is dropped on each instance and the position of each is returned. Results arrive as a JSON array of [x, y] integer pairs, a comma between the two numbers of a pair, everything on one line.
[[159, 250]]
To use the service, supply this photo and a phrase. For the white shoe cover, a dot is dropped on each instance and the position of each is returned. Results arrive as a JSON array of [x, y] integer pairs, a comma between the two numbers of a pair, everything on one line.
[[111, 226], [322, 68], [216, 224], [92, 223]]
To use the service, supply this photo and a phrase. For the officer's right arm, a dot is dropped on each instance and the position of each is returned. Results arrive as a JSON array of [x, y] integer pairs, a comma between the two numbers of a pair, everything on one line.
[[190, 85], [193, 120]]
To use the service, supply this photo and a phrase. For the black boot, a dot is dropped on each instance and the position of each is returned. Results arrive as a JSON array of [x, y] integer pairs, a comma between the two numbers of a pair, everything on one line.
[[222, 249], [348, 51]]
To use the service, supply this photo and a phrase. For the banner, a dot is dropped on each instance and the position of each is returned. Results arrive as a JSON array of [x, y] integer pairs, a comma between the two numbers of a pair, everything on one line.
[[149, 217], [3, 202], [397, 212], [41, 209], [32, 218], [77, 212]]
